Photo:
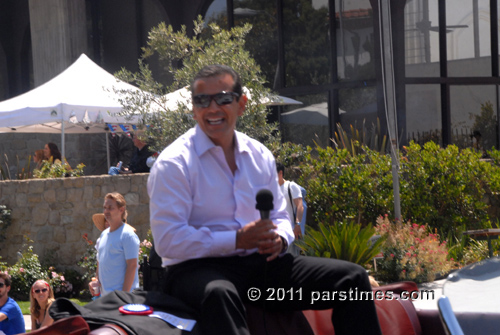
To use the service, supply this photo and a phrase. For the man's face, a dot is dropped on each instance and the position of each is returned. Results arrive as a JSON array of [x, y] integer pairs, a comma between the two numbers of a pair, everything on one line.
[[4, 290], [137, 142], [112, 212], [281, 181], [218, 122]]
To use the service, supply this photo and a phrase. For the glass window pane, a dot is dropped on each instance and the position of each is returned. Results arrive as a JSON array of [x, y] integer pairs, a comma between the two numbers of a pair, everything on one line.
[[468, 38], [217, 12], [421, 38], [357, 105], [262, 41], [423, 113], [307, 123], [355, 40], [473, 116], [307, 42]]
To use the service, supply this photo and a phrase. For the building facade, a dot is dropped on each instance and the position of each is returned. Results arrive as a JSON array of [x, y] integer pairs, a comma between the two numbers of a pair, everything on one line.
[[325, 53]]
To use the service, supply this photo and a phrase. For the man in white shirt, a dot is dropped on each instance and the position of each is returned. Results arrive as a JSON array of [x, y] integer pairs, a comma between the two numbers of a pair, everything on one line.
[[294, 205], [218, 252]]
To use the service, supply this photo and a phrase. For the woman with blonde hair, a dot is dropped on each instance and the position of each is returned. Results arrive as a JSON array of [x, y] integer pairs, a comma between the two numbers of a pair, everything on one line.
[[41, 297], [38, 158]]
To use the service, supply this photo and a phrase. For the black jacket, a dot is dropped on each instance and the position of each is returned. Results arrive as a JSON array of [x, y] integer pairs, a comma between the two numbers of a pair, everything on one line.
[[105, 310]]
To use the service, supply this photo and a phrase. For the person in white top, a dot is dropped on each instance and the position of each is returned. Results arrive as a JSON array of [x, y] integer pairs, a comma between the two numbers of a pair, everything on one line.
[[218, 251], [294, 205]]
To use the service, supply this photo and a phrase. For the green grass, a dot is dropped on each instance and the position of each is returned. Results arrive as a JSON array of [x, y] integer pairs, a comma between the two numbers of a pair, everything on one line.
[[25, 305]]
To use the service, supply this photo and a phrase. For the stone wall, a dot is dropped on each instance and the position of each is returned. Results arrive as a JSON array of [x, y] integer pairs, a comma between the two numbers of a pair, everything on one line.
[[55, 213]]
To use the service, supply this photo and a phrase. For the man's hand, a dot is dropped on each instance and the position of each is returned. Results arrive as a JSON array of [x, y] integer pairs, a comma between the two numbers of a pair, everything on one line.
[[297, 231], [260, 234]]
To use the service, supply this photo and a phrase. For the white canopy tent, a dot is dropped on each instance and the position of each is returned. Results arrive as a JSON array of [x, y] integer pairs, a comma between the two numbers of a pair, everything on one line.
[[79, 100]]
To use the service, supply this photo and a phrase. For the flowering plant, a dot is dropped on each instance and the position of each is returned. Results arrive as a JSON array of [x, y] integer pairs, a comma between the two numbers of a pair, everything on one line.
[[410, 252], [28, 269], [89, 260], [61, 286], [146, 245]]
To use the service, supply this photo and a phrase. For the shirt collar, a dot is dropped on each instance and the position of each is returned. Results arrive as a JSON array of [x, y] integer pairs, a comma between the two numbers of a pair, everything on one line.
[[203, 143]]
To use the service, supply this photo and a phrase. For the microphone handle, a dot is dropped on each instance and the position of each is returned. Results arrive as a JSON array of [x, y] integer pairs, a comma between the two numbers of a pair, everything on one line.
[[264, 215]]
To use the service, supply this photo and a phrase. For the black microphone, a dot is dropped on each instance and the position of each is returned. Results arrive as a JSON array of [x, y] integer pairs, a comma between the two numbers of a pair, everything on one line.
[[264, 204]]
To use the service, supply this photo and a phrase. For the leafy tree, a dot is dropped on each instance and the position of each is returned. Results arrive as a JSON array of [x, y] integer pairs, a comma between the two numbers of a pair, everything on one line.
[[183, 56]]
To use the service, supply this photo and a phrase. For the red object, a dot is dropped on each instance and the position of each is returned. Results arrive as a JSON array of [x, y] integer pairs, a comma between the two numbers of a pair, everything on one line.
[[135, 309]]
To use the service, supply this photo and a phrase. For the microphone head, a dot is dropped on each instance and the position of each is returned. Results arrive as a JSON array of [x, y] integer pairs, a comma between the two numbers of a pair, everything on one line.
[[264, 200]]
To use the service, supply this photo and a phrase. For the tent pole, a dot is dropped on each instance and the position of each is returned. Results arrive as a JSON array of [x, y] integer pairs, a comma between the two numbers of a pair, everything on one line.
[[107, 150], [63, 147]]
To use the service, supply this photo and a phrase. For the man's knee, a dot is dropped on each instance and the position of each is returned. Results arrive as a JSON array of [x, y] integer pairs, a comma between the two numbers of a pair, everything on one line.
[[220, 291]]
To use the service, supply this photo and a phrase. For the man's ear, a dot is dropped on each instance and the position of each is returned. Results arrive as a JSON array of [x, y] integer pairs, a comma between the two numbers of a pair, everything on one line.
[[242, 103]]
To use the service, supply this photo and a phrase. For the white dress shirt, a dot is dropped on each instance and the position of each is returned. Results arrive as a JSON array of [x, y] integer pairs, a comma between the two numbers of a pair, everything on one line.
[[197, 204]]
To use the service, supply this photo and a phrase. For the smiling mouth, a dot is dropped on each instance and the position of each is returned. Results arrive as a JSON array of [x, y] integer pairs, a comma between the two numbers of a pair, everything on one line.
[[215, 121]]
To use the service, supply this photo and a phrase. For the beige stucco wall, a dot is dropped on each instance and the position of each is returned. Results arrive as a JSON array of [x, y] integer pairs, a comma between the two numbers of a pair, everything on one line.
[[55, 213]]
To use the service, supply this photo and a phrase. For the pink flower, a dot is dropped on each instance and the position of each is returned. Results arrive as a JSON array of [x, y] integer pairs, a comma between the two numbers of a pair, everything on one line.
[[21, 270], [62, 278], [392, 255], [54, 275]]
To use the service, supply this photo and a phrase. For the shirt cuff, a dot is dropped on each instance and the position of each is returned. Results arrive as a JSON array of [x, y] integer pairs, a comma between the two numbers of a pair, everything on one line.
[[224, 242]]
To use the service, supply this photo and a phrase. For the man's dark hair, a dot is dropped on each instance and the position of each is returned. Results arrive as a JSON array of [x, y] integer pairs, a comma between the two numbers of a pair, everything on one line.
[[215, 70], [280, 167], [6, 278]]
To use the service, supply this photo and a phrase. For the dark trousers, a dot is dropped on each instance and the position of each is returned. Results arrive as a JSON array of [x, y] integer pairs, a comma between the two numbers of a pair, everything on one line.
[[219, 287]]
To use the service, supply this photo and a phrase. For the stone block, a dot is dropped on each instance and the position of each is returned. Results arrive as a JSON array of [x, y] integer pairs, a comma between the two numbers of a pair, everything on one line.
[[73, 235], [41, 215], [36, 186], [49, 195], [60, 235], [44, 235], [21, 186], [78, 182], [97, 192], [74, 195], [61, 195], [21, 200], [54, 218], [88, 192], [132, 199], [34, 198]]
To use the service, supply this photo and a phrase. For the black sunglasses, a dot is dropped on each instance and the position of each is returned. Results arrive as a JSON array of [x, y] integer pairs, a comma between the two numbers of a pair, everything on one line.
[[222, 98], [2, 285], [43, 290]]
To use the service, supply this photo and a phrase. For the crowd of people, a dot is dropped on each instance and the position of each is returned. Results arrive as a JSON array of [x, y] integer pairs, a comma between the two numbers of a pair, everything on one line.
[[213, 242]]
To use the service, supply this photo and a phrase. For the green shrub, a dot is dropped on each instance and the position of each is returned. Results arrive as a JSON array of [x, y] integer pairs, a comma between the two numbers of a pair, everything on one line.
[[445, 187], [346, 241], [25, 272], [5, 222], [340, 185], [51, 170]]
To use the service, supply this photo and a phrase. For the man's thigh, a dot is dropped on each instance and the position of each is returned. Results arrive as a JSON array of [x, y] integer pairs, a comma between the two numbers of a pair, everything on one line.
[[298, 283], [192, 280]]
